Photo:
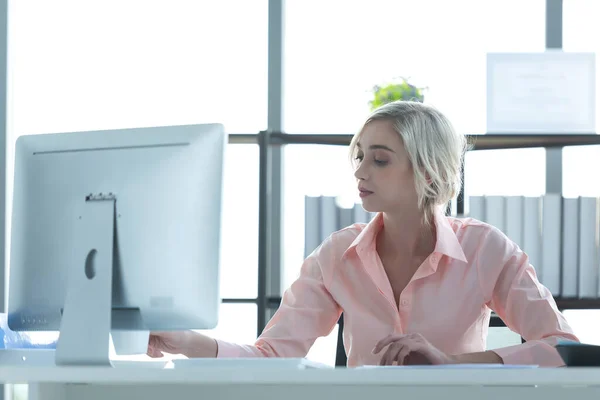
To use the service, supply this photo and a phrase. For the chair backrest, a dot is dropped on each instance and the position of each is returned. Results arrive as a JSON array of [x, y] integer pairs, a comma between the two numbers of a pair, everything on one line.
[[340, 353]]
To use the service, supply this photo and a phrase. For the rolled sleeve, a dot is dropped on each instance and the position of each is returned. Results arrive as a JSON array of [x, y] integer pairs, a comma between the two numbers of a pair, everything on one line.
[[536, 352], [227, 349]]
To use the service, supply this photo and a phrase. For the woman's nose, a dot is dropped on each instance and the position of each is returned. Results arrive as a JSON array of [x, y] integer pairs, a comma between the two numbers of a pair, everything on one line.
[[360, 172]]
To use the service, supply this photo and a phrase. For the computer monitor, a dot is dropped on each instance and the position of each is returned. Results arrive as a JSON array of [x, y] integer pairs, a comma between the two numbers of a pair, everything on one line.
[[116, 232]]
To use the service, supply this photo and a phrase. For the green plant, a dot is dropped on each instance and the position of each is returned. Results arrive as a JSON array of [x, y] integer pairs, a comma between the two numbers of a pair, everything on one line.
[[395, 91]]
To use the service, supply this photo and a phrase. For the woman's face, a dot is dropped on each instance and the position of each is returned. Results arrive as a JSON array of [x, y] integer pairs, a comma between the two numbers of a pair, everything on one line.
[[383, 170]]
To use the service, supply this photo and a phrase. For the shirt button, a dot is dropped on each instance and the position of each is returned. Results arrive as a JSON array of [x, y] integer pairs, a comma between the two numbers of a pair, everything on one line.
[[404, 303], [434, 258]]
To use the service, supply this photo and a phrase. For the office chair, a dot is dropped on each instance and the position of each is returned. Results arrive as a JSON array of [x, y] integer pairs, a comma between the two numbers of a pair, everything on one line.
[[340, 352]]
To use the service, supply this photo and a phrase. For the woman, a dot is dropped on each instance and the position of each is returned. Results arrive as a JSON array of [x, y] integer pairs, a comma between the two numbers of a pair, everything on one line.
[[415, 286]]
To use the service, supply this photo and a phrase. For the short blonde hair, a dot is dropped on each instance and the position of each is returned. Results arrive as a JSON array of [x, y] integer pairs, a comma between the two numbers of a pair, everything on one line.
[[434, 148]]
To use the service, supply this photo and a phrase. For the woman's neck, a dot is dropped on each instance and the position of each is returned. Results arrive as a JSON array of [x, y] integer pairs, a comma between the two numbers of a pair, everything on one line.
[[407, 234]]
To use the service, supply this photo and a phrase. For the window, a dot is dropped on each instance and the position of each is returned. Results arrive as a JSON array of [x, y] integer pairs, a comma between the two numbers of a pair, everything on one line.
[[580, 33], [112, 64], [585, 324], [314, 170], [239, 255], [237, 324], [324, 348], [441, 45], [79, 66], [580, 30], [500, 336], [518, 172], [578, 162]]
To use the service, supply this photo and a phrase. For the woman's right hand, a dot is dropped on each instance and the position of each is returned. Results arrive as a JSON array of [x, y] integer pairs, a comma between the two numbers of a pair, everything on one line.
[[188, 343]]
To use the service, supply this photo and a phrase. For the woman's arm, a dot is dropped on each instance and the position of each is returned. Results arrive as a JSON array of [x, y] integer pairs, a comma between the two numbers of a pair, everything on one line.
[[307, 312], [483, 357], [522, 302]]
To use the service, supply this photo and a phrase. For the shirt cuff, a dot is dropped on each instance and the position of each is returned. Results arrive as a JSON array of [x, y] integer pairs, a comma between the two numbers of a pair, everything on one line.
[[227, 350], [531, 353], [515, 355]]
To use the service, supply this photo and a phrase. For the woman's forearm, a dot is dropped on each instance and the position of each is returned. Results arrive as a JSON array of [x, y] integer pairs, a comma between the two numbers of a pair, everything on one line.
[[483, 357], [199, 346]]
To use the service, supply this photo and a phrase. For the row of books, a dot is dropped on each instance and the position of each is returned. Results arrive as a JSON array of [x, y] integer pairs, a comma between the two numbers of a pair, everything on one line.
[[560, 236]]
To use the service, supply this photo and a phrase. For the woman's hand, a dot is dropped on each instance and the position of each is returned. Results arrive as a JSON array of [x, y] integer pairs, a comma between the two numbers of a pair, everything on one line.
[[410, 349], [168, 342], [188, 343]]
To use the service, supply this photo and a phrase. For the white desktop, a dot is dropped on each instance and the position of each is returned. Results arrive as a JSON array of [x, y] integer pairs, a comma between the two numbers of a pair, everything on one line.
[[116, 232]]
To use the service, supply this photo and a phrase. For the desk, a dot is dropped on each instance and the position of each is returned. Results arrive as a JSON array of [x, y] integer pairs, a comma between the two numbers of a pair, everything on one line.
[[92, 383]]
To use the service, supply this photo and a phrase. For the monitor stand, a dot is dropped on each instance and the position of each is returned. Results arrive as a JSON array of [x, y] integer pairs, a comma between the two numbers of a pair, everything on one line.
[[88, 319]]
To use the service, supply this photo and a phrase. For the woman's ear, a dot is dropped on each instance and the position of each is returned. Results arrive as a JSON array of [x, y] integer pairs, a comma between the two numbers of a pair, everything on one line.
[[428, 178]]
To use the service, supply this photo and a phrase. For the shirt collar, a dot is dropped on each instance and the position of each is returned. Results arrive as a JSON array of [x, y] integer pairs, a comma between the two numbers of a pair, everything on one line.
[[446, 241]]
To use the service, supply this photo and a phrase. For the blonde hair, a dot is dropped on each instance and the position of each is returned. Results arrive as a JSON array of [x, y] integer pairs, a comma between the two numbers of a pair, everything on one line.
[[434, 148]]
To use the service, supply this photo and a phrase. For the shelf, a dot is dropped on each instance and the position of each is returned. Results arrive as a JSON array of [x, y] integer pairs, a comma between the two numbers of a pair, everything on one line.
[[507, 141], [487, 141]]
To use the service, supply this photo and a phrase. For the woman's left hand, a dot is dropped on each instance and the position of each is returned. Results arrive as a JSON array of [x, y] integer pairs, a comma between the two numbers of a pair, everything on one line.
[[410, 349]]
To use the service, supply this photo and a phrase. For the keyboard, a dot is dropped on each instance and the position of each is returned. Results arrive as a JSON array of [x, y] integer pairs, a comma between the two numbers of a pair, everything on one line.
[[450, 366], [27, 357], [253, 363], [153, 364], [46, 358]]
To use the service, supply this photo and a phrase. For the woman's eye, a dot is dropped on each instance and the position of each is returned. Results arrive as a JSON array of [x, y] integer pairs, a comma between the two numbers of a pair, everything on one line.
[[380, 162]]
